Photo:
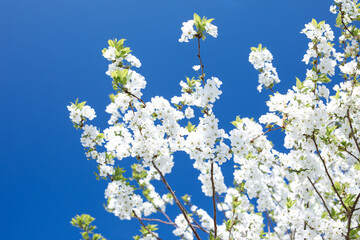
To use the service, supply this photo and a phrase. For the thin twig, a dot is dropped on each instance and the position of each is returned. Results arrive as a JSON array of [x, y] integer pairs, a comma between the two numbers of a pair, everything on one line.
[[145, 226], [328, 174], [201, 65], [269, 220], [327, 209], [166, 216], [352, 130], [350, 153], [350, 216], [126, 91], [181, 207], [157, 220], [270, 130], [218, 200], [213, 198]]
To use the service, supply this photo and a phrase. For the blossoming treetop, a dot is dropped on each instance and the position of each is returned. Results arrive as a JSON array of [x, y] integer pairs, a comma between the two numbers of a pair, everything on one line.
[[310, 191]]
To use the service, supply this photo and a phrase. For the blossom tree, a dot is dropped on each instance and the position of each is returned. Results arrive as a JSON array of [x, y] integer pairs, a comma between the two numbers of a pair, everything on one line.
[[310, 191]]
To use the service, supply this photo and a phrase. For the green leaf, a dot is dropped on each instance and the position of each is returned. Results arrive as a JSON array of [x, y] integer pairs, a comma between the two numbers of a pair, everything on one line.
[[314, 22], [337, 186], [228, 224], [324, 78], [338, 19], [185, 198], [211, 237], [357, 166], [112, 98], [190, 127], [237, 121], [324, 214], [197, 21], [329, 131], [111, 43], [299, 84], [289, 203], [210, 20]]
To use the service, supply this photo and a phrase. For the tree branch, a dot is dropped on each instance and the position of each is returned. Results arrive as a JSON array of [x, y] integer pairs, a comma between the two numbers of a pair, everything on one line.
[[269, 221], [352, 130], [324, 203], [350, 216], [145, 226], [181, 207], [213, 198], [201, 65], [328, 174]]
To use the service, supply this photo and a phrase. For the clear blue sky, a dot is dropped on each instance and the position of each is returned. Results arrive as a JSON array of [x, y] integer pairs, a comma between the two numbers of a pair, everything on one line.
[[51, 55]]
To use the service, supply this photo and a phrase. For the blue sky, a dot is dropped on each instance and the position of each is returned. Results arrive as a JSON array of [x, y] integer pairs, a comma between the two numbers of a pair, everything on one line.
[[51, 55]]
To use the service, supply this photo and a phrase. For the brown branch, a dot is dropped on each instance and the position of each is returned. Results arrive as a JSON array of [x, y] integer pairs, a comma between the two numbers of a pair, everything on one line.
[[145, 226], [262, 134], [345, 27], [197, 225], [328, 174], [166, 216], [109, 177], [350, 216], [130, 105], [324, 203], [218, 200], [201, 65], [213, 198], [158, 220], [269, 220], [127, 92], [273, 197], [164, 222], [350, 153], [181, 207], [352, 130]]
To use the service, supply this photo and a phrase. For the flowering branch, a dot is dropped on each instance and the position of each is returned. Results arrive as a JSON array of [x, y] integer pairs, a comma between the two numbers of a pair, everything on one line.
[[323, 201], [328, 174], [145, 226], [213, 198], [181, 207], [352, 210], [198, 55], [352, 130]]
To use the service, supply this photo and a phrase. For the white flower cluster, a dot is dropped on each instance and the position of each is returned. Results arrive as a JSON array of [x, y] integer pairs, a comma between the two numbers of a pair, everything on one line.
[[132, 87], [149, 237], [261, 59], [188, 31], [110, 53], [122, 199], [79, 114], [351, 68], [118, 141], [205, 219], [349, 9], [182, 228], [90, 137], [106, 163], [320, 47], [211, 29], [198, 95], [134, 61]]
